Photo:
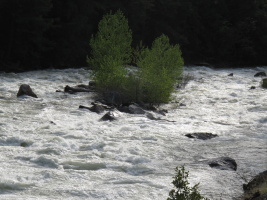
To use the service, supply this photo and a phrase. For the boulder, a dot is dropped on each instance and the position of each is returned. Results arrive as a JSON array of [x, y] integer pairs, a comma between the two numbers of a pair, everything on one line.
[[73, 90], [264, 83], [231, 74], [25, 89], [134, 109], [255, 188], [201, 136], [109, 116], [95, 108], [223, 163], [258, 74]]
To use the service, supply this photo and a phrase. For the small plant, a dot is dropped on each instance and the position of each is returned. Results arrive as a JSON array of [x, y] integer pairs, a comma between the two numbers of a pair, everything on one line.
[[183, 191]]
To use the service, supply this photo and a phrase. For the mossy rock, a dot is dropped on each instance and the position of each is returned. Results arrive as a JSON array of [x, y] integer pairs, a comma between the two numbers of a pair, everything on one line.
[[264, 83]]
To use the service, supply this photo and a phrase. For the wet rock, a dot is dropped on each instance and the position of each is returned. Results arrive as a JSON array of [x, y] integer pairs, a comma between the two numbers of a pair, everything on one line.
[[254, 189], [201, 136], [134, 109], [25, 89], [73, 90], [92, 83], [252, 88], [258, 74], [232, 74], [256, 181], [95, 108], [109, 116], [264, 83], [223, 163]]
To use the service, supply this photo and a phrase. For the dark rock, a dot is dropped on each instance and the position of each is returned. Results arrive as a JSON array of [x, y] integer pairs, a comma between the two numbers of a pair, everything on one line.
[[252, 88], [109, 116], [201, 136], [232, 74], [264, 83], [134, 109], [25, 89], [223, 163], [258, 74], [83, 86], [102, 105], [73, 90], [182, 104], [261, 178], [124, 109], [92, 83], [95, 108], [24, 144]]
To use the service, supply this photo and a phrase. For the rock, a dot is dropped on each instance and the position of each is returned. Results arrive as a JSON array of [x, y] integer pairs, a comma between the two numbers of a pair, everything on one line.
[[25, 89], [134, 109], [232, 74], [124, 109], [223, 163], [152, 117], [258, 74], [256, 181], [73, 90], [254, 189], [109, 116], [252, 88], [201, 136], [95, 108], [92, 83], [264, 83]]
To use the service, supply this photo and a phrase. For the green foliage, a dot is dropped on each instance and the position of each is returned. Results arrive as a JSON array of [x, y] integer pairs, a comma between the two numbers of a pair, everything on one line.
[[183, 191], [160, 68], [111, 51]]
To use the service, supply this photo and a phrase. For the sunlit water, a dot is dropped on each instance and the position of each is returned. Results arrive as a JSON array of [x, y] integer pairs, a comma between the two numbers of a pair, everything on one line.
[[51, 149]]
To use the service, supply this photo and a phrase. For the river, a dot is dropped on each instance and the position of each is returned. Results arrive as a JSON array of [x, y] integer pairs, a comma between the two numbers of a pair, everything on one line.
[[51, 149]]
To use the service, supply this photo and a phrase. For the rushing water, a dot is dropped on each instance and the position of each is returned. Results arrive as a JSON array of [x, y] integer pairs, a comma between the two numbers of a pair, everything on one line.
[[51, 149]]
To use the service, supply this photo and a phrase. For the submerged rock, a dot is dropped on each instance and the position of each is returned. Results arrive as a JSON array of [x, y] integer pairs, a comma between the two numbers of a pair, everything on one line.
[[201, 136], [25, 89], [223, 163], [258, 74]]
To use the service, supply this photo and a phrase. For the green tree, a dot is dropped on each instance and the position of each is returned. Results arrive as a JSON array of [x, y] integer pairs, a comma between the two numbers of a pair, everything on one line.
[[182, 189], [111, 52], [160, 67]]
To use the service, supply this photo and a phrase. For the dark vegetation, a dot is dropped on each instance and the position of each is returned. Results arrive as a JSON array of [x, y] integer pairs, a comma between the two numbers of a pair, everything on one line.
[[55, 33]]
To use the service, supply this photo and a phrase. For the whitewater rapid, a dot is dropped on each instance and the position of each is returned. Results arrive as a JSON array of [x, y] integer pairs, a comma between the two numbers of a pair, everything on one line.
[[51, 149]]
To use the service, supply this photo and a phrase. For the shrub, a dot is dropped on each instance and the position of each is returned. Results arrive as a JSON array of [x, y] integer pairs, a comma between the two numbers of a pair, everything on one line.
[[111, 51], [183, 191], [160, 68]]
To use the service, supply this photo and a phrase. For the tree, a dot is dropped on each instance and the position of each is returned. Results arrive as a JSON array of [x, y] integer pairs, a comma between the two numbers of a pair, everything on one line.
[[111, 52], [160, 67]]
